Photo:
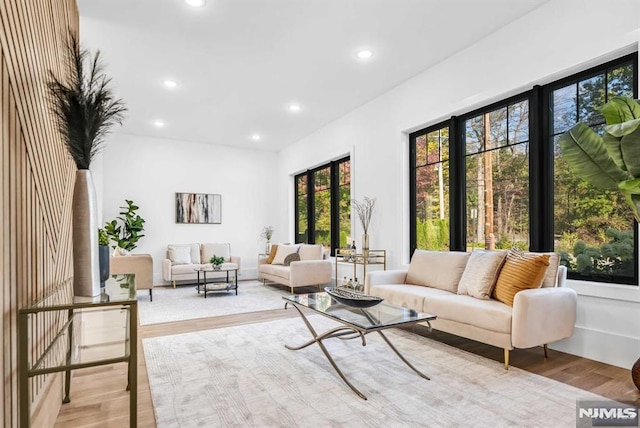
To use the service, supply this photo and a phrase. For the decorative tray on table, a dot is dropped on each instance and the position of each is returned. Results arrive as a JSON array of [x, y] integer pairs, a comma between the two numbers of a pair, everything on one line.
[[352, 298]]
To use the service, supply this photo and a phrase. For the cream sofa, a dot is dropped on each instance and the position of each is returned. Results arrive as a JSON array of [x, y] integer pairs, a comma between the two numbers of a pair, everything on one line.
[[182, 260], [141, 265], [539, 316], [312, 268]]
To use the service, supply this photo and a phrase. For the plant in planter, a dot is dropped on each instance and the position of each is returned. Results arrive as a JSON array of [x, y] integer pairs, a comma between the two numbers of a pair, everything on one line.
[[216, 261], [126, 230], [103, 256], [611, 161], [84, 109]]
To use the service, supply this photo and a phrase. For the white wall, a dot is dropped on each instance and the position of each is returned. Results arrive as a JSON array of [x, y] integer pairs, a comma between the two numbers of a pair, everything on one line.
[[150, 171], [557, 39]]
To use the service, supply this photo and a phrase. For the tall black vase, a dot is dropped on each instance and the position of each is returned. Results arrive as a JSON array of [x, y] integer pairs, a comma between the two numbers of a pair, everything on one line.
[[103, 256]]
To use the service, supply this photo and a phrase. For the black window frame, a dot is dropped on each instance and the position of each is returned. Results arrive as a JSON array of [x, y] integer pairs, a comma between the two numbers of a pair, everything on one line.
[[541, 169], [334, 203]]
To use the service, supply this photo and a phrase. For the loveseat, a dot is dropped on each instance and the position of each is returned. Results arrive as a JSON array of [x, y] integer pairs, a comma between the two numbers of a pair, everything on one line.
[[182, 260], [461, 289], [296, 265]]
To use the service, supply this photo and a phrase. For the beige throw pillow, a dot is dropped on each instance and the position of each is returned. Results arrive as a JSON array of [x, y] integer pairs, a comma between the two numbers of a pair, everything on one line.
[[179, 255], [437, 269], [282, 252], [481, 273]]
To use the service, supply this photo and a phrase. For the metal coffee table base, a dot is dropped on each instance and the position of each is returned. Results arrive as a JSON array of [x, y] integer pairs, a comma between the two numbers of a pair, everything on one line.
[[346, 332]]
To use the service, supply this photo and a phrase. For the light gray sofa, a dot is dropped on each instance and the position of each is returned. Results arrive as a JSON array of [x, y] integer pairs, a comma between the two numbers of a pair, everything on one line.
[[538, 316], [312, 268], [182, 260]]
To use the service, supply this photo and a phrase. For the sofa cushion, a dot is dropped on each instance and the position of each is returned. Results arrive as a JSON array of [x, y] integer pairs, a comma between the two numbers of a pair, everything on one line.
[[437, 269], [272, 254], [282, 252], [480, 274], [311, 252], [487, 314], [551, 277], [276, 270], [406, 295], [520, 272], [219, 249], [179, 254], [185, 269]]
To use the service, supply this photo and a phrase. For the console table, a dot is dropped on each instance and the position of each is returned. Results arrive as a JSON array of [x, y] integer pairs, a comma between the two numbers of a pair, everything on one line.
[[51, 339], [373, 257]]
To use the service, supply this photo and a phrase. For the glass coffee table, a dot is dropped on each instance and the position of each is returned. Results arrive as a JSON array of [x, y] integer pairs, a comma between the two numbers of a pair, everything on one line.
[[356, 324]]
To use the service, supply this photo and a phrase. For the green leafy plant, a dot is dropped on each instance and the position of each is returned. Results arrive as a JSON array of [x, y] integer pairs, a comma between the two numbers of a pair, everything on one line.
[[216, 260], [126, 230], [83, 103], [103, 237], [612, 161]]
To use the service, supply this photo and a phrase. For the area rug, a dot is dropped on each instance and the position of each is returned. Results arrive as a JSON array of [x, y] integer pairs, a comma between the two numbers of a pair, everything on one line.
[[184, 303], [244, 377]]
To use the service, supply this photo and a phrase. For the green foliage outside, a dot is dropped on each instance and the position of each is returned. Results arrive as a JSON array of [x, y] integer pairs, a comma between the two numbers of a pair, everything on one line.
[[612, 258], [126, 230], [433, 234]]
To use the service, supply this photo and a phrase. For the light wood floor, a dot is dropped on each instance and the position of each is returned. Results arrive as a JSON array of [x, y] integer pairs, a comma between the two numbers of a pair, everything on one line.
[[99, 399]]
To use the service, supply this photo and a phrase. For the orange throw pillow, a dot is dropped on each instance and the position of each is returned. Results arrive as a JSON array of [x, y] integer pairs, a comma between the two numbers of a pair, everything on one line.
[[519, 272], [272, 253]]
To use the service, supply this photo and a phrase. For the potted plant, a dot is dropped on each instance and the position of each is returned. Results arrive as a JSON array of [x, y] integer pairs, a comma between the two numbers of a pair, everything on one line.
[[267, 234], [103, 255], [216, 261], [84, 109], [126, 230], [612, 161]]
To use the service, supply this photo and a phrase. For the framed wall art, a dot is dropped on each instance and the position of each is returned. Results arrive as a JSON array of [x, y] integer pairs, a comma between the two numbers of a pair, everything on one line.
[[198, 208]]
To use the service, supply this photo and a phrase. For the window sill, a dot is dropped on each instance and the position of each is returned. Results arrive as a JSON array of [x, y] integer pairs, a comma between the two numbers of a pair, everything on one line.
[[627, 293]]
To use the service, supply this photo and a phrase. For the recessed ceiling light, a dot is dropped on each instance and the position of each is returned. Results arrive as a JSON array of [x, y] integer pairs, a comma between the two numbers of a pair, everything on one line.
[[256, 137], [170, 83], [158, 123], [294, 108], [365, 54], [195, 3]]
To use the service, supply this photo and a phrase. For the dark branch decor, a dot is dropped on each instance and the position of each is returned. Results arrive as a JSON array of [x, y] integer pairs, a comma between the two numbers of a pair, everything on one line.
[[198, 208], [84, 109], [365, 211], [83, 103]]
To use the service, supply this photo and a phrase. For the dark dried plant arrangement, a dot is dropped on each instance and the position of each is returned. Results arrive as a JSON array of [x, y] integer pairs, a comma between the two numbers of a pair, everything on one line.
[[83, 103], [364, 210]]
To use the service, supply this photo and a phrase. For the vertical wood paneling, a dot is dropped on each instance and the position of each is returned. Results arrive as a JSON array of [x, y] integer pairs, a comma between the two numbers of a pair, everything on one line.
[[36, 184]]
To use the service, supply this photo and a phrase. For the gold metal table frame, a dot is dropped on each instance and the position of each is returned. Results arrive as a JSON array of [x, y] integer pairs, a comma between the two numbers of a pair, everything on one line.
[[55, 353]]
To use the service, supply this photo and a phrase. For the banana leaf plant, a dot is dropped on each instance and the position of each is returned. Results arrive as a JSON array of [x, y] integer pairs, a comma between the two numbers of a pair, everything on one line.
[[612, 161]]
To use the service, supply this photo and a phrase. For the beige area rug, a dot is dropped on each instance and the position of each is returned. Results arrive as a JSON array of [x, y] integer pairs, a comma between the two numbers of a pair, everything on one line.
[[244, 377], [184, 303]]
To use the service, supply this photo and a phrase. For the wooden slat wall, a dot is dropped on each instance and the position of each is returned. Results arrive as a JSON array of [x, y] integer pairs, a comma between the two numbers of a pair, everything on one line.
[[36, 184]]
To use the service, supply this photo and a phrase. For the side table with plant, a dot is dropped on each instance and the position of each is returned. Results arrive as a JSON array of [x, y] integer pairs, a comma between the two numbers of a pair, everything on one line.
[[266, 235]]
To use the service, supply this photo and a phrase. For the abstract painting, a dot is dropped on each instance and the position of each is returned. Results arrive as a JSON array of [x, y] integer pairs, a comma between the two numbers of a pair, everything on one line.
[[198, 208]]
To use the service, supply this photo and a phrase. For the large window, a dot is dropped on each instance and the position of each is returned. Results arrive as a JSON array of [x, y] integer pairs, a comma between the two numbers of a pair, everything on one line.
[[495, 178], [593, 228], [430, 157], [323, 205]]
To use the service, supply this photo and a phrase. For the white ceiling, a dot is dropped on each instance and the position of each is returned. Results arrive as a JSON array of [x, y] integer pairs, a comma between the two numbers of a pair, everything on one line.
[[240, 63]]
